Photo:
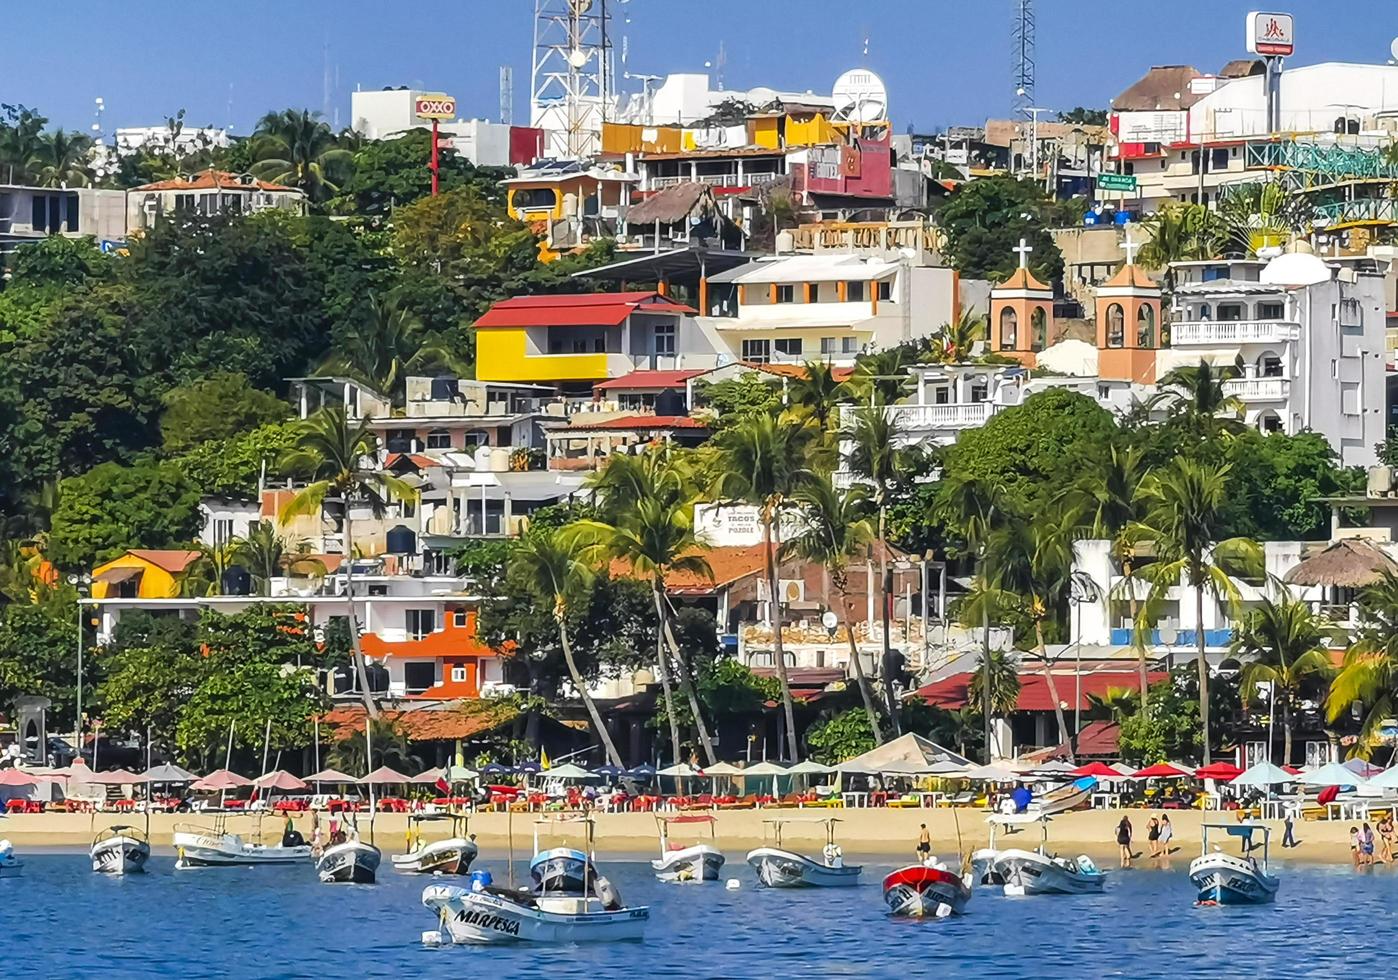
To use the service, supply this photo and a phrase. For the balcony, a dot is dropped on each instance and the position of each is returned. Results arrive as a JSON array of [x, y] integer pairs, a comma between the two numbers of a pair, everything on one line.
[[930, 418], [1213, 639], [1258, 389], [715, 180], [1209, 333]]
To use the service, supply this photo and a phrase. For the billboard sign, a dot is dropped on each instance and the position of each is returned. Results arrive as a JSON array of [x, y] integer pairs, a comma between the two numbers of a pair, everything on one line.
[[434, 105], [1271, 34]]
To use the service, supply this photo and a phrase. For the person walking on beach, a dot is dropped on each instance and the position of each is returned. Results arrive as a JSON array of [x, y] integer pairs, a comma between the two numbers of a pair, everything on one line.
[[1167, 832], [1366, 844], [1153, 835], [1289, 822], [1354, 846], [1123, 839], [1385, 829], [924, 845]]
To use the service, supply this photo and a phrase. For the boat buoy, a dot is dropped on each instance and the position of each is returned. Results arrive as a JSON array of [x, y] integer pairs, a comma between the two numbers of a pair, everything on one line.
[[732, 884], [431, 938]]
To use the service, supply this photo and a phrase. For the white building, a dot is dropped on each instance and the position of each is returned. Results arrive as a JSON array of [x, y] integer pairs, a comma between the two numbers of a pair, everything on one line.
[[163, 139], [390, 112], [1311, 337], [208, 192], [30, 214]]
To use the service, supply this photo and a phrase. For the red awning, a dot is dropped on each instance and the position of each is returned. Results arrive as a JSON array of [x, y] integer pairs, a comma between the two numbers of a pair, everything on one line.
[[1224, 771], [1161, 770], [650, 379], [1099, 769]]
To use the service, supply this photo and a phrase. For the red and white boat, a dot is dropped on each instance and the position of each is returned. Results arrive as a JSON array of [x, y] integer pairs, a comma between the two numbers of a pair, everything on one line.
[[928, 890]]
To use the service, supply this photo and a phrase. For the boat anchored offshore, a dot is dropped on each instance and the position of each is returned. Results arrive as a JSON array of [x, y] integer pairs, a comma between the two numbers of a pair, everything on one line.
[[983, 859], [353, 861], [203, 847], [484, 914], [928, 889], [561, 870], [9, 864], [1037, 872], [697, 862], [120, 850], [1225, 879], [777, 867], [451, 856]]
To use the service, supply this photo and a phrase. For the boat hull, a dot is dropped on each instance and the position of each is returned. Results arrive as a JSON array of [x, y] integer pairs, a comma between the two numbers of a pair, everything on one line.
[[483, 918], [230, 850], [352, 862], [777, 868], [1222, 879], [983, 867], [10, 866], [559, 870], [119, 856], [920, 891], [699, 863], [1032, 873], [450, 857]]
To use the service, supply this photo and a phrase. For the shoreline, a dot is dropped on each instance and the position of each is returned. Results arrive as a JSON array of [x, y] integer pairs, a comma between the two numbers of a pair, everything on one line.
[[879, 834]]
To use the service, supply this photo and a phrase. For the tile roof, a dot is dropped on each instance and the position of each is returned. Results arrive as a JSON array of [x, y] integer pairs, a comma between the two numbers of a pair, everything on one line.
[[650, 379], [462, 720], [173, 561], [951, 692], [1134, 276], [728, 564], [1021, 279], [576, 309], [633, 423], [797, 370], [209, 180]]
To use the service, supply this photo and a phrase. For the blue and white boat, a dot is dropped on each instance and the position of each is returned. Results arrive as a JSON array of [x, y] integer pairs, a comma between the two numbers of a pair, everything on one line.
[[1038, 872], [561, 870], [1227, 879]]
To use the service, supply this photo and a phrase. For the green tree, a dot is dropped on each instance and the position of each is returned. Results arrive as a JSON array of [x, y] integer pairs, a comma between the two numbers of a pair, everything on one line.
[[1278, 484], [763, 463], [21, 141], [818, 393], [335, 450], [61, 160], [391, 173], [554, 571], [384, 344], [296, 148], [266, 554], [38, 654], [1180, 233], [957, 338], [1196, 397], [984, 220], [218, 407], [237, 466], [112, 508], [739, 399], [840, 736], [1286, 645], [1183, 525], [1080, 116], [146, 688], [1004, 685], [1368, 677], [1168, 729]]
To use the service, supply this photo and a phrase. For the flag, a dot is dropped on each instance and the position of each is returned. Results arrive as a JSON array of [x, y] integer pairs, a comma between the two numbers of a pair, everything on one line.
[[543, 758], [443, 785]]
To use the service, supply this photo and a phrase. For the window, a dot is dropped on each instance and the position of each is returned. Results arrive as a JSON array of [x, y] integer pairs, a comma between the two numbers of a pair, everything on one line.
[[184, 203], [1271, 311], [886, 289], [979, 392], [829, 345], [1038, 329], [1009, 327], [420, 622], [757, 351], [1116, 326], [439, 439], [849, 345], [786, 293], [1351, 313], [1230, 312], [458, 673], [790, 346], [399, 441], [1269, 365], [419, 675], [1269, 422], [854, 292], [407, 507], [664, 338], [941, 396], [458, 618], [1349, 398], [1219, 159], [1145, 327], [535, 199]]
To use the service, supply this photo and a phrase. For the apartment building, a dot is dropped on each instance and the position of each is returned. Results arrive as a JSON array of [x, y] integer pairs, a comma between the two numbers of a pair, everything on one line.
[[31, 214], [208, 192]]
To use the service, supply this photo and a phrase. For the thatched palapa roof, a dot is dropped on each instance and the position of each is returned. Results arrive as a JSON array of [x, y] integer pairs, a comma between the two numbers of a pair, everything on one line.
[[1351, 563]]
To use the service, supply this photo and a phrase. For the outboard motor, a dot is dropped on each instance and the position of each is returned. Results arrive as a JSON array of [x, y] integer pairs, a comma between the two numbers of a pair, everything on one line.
[[607, 894]]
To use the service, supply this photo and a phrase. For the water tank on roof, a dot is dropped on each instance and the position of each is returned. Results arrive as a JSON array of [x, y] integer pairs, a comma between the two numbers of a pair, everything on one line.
[[342, 680], [378, 677], [401, 541], [237, 581]]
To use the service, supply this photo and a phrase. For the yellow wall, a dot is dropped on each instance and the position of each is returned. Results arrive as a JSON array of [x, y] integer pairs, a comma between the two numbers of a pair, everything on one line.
[[156, 583], [501, 356], [762, 131], [627, 138], [815, 131]]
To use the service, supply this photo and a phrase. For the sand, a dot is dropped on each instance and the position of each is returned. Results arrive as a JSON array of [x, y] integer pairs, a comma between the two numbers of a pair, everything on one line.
[[874, 834]]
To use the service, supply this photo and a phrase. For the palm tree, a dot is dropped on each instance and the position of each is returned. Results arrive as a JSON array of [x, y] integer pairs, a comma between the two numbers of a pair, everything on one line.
[[880, 462], [817, 392], [1183, 524], [1253, 216], [1114, 704], [834, 531], [60, 160], [1109, 494], [1286, 644], [1197, 396], [1003, 676], [21, 142], [386, 344], [341, 456], [650, 504], [956, 339], [1034, 560], [975, 507], [763, 462], [1180, 233], [390, 748], [266, 554], [1369, 674], [298, 149], [553, 569], [204, 576], [882, 376]]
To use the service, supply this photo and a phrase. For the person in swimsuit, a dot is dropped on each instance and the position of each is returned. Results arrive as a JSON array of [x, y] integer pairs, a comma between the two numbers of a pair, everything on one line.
[[924, 844], [1167, 832], [1153, 835], [1123, 839]]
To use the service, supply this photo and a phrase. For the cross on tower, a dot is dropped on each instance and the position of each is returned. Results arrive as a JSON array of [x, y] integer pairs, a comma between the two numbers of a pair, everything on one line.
[[1023, 248], [1130, 248]]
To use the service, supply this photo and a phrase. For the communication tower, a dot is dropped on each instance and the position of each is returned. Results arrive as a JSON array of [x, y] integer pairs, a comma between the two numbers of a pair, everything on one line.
[[572, 88], [1023, 60]]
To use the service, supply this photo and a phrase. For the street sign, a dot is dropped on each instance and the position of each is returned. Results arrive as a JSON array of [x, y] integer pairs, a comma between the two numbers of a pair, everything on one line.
[[1116, 182], [1271, 34], [434, 105]]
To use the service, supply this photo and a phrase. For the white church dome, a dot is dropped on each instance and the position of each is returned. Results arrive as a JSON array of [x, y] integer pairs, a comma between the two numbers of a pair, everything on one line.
[[1295, 269]]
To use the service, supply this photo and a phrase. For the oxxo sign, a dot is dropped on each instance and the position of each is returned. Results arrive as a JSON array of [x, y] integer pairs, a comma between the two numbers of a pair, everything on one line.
[[1271, 34], [434, 105]]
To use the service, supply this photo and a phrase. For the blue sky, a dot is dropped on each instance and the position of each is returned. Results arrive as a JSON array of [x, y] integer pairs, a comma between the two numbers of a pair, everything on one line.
[[945, 61]]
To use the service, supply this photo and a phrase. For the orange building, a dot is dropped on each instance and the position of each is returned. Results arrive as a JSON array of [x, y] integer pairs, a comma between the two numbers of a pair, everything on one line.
[[443, 665], [1128, 323]]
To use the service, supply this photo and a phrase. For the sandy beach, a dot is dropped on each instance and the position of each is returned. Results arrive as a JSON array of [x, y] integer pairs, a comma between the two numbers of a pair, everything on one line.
[[871, 833]]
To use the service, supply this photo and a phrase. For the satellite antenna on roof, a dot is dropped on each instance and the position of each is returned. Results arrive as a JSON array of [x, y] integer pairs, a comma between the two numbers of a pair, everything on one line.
[[860, 96], [1393, 48]]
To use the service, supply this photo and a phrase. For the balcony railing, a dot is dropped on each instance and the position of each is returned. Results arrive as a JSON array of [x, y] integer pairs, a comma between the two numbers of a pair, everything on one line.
[[716, 180], [913, 418], [1209, 332], [1258, 389], [1213, 639]]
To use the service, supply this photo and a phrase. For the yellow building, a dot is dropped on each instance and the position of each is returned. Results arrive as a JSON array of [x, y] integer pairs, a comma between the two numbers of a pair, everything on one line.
[[567, 206], [142, 574]]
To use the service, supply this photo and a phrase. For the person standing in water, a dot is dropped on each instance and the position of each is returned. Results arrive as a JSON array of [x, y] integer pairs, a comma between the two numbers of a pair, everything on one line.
[[1123, 839], [924, 844]]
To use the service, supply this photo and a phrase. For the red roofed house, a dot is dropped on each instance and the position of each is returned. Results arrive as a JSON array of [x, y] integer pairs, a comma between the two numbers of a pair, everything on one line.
[[206, 193]]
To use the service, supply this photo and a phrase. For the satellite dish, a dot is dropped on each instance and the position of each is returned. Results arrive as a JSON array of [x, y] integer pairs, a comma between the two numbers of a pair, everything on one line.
[[1393, 48], [762, 95], [577, 57], [860, 96], [829, 620]]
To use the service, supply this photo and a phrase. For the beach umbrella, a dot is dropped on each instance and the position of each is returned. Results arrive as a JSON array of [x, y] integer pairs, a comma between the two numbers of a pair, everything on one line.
[[528, 768], [496, 769], [16, 777], [809, 768], [282, 780], [992, 774], [1161, 770], [460, 774], [1362, 768], [610, 771], [385, 776], [1099, 769], [114, 777], [168, 773], [1122, 769], [1263, 774], [428, 778], [765, 769], [1056, 766], [569, 771], [1221, 771], [220, 780], [644, 771], [1388, 779], [1332, 774], [723, 769], [678, 770], [330, 776]]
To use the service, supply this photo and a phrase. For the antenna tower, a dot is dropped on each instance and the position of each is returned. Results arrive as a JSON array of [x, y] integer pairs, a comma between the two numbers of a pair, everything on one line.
[[507, 95], [1023, 60], [572, 86]]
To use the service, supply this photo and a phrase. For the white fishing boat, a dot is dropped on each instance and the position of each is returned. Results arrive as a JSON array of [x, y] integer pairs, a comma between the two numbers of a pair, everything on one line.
[[561, 870], [214, 847], [926, 890], [452, 856], [1227, 879], [1037, 872], [1063, 798], [687, 863], [983, 859], [10, 865], [777, 867], [353, 861], [120, 850]]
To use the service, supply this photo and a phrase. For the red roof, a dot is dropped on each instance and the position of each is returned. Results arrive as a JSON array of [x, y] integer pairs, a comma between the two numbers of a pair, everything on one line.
[[950, 692], [650, 379], [638, 423], [576, 309], [171, 560], [728, 563], [208, 180]]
